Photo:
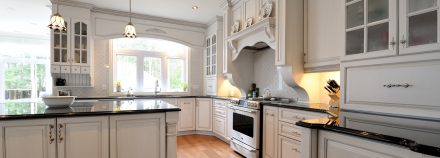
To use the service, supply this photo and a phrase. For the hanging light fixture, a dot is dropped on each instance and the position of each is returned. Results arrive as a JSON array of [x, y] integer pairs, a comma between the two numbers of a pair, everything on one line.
[[57, 21], [130, 31]]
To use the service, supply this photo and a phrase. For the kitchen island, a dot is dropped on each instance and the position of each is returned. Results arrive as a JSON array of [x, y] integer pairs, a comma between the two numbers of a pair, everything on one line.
[[98, 129]]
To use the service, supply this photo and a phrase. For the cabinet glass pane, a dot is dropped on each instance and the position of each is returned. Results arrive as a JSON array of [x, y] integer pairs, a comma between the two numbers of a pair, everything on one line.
[[64, 55], [355, 42], [214, 39], [77, 28], [64, 41], [377, 10], [213, 50], [355, 14], [77, 56], [83, 29], [349, 0], [84, 42], [208, 42], [56, 40], [378, 37], [84, 57], [422, 29], [56, 55], [213, 59], [213, 69], [77, 42], [416, 5]]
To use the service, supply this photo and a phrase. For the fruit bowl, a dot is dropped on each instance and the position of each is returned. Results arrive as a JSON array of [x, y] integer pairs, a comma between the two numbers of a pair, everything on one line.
[[59, 101]]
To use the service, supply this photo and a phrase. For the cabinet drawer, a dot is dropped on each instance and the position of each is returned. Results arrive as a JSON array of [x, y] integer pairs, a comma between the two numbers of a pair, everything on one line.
[[55, 69], [75, 70], [220, 111], [85, 70], [293, 116], [65, 69], [386, 84], [289, 130]]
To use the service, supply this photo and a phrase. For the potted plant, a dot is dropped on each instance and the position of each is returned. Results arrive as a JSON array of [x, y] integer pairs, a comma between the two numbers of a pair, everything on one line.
[[118, 85], [184, 86]]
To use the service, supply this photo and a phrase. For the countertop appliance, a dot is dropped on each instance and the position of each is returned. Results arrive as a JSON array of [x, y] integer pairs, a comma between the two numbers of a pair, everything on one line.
[[246, 131]]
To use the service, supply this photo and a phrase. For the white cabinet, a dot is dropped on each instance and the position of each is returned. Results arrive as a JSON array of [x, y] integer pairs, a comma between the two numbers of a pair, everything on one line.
[[289, 148], [28, 138], [170, 101], [324, 43], [85, 137], [370, 33], [335, 145], [220, 119], [204, 114], [213, 58], [137, 136], [270, 136], [187, 116], [419, 26]]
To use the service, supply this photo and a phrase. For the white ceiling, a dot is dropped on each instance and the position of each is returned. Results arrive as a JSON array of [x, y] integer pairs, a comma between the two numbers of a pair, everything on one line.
[[173, 9], [29, 17]]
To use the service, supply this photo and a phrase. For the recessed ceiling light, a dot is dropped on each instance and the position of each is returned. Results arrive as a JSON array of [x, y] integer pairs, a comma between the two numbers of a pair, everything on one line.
[[195, 7]]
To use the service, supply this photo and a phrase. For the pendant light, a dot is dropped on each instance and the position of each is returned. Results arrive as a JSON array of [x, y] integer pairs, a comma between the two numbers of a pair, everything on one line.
[[130, 31], [57, 21]]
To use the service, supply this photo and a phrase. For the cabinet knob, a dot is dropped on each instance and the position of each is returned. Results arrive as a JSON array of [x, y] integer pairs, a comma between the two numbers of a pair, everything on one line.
[[60, 137], [403, 41], [51, 135]]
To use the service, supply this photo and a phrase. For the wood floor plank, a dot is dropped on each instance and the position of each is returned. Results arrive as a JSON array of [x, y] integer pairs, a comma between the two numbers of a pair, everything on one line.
[[201, 146]]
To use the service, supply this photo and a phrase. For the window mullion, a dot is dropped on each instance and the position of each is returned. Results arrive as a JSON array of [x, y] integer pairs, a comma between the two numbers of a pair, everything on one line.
[[140, 71]]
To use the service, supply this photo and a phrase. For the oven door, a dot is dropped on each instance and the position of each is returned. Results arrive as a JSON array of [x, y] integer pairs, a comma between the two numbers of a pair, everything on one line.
[[246, 125]]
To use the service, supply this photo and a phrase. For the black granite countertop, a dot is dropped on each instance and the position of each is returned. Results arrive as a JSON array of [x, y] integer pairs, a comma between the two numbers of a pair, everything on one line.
[[313, 107], [149, 97], [27, 110], [332, 124]]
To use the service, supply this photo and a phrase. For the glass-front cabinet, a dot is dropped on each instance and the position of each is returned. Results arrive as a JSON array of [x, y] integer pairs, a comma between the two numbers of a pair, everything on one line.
[[211, 56], [71, 47], [419, 26], [371, 28]]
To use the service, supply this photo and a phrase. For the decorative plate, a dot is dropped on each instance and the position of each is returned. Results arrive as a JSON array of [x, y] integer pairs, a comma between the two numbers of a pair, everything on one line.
[[249, 22], [266, 9], [236, 26]]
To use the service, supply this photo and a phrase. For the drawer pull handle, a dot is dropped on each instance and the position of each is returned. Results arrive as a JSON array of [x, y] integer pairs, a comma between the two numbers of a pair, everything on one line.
[[406, 85], [296, 133], [295, 149]]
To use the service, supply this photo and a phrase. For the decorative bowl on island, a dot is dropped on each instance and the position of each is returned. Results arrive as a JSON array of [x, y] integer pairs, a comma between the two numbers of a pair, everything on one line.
[[59, 101]]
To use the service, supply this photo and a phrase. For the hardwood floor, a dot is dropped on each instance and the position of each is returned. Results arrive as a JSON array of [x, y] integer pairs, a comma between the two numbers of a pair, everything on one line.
[[200, 146]]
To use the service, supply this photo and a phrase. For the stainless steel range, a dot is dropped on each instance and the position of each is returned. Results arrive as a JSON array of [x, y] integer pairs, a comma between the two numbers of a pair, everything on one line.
[[245, 135]]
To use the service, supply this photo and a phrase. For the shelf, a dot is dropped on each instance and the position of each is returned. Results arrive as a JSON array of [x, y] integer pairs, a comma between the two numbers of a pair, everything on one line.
[[73, 86]]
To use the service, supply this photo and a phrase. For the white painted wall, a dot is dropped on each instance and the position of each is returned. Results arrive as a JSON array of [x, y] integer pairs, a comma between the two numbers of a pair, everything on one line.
[[109, 26]]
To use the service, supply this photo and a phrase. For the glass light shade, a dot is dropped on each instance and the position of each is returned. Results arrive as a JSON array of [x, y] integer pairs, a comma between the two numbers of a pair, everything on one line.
[[130, 31], [57, 23]]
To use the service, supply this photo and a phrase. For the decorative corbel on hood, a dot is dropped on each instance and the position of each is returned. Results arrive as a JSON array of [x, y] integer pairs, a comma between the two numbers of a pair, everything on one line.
[[263, 31]]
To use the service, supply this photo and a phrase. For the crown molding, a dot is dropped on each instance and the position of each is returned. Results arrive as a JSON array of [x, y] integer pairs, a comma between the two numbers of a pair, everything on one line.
[[225, 3], [148, 17], [126, 14], [215, 19]]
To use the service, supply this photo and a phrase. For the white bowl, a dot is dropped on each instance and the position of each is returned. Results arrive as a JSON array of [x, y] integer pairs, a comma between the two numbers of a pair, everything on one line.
[[59, 101]]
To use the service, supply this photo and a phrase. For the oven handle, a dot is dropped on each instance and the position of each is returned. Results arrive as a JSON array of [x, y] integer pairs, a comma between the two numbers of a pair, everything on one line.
[[241, 109]]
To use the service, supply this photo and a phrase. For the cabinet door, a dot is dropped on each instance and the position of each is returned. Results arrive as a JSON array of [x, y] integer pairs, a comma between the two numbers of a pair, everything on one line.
[[28, 138], [187, 115], [208, 57], [80, 44], [219, 126], [83, 137], [137, 136], [270, 125], [289, 148], [60, 45], [371, 28], [204, 114], [419, 26]]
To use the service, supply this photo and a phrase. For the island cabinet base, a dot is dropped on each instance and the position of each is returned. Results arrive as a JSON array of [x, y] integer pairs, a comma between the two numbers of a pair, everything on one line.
[[150, 135]]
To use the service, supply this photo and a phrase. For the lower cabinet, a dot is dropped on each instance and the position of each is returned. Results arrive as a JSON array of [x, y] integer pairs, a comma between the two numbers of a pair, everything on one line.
[[187, 117], [204, 114], [137, 136], [220, 126], [83, 137], [221, 119], [289, 148], [335, 145], [28, 138], [270, 136]]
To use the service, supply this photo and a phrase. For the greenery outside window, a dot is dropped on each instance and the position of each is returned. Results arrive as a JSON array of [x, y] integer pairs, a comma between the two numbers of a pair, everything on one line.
[[139, 63]]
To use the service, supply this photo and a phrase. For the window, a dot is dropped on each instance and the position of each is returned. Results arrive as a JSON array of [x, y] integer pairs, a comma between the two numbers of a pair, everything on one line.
[[25, 52], [142, 62]]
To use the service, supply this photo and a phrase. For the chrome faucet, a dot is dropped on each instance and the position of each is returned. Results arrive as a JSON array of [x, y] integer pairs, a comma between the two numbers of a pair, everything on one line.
[[156, 88]]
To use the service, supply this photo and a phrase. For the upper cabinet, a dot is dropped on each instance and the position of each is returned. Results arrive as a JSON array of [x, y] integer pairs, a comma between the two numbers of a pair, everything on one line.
[[324, 40], [370, 28], [211, 55], [418, 26], [213, 58], [378, 28]]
